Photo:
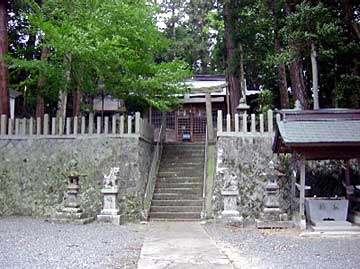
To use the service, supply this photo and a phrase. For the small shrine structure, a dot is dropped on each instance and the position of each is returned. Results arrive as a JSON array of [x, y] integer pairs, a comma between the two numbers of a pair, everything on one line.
[[324, 134]]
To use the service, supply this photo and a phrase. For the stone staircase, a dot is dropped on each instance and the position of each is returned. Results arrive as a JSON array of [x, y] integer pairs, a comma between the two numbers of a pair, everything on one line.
[[179, 185]]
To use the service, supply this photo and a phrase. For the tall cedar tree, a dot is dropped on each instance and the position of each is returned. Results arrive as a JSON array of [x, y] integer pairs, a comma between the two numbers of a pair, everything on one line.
[[230, 22], [4, 72]]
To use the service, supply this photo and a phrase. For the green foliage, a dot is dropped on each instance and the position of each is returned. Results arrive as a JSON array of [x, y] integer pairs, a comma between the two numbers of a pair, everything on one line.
[[348, 91], [312, 24], [112, 42], [265, 101]]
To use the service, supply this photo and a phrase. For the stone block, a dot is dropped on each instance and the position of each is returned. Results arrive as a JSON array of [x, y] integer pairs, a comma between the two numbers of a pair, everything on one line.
[[114, 219], [319, 209]]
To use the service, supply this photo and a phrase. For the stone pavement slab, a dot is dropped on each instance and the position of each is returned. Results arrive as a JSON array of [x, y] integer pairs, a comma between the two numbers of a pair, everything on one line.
[[180, 245]]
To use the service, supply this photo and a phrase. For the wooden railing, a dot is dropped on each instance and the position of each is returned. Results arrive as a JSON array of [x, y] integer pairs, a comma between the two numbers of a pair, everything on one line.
[[246, 125], [76, 126], [150, 185], [203, 213]]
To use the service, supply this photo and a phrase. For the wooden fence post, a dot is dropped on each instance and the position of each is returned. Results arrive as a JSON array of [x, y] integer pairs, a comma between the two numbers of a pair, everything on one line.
[[245, 128], [122, 124], [83, 122], [137, 123], [46, 124], [106, 125], [31, 126], [53, 126], [113, 127], [61, 126], [91, 123], [3, 125], [10, 126], [236, 123], [270, 121], [68, 126], [38, 126], [228, 123], [98, 125], [261, 123], [219, 122], [253, 123], [129, 124], [76, 123]]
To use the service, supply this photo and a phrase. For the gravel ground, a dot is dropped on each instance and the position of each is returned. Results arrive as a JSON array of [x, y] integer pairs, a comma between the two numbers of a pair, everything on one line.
[[30, 243], [285, 249]]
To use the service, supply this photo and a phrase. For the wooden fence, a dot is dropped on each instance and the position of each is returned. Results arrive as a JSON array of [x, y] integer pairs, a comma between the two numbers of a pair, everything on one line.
[[77, 126], [246, 125]]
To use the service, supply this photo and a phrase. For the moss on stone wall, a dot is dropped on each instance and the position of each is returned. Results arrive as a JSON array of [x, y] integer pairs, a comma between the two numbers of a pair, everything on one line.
[[33, 172]]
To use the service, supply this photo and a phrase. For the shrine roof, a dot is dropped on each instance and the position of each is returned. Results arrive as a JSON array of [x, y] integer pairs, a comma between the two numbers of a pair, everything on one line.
[[309, 128]]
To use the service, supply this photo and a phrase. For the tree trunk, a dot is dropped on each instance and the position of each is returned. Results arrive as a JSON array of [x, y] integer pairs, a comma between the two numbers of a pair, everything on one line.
[[4, 72], [230, 15], [284, 97], [315, 79], [297, 84], [76, 103], [296, 72], [40, 104], [348, 9], [242, 74], [62, 102]]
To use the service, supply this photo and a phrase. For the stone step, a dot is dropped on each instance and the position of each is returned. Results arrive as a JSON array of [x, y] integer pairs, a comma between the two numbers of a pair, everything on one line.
[[181, 170], [173, 220], [183, 173], [178, 149], [185, 163], [184, 146], [182, 179], [160, 185], [176, 196], [175, 215], [182, 161], [171, 208], [187, 154], [197, 191], [176, 203], [186, 166]]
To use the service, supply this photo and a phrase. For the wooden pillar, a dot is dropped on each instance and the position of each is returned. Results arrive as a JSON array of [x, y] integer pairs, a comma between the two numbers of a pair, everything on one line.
[[347, 172], [302, 187], [163, 124], [209, 118]]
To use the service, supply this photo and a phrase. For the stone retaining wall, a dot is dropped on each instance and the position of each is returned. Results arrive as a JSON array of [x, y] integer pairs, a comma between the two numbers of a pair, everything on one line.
[[33, 172], [244, 162]]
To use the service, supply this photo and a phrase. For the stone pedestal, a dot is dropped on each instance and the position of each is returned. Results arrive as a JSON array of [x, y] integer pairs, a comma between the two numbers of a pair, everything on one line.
[[110, 212], [71, 212], [230, 205], [272, 217]]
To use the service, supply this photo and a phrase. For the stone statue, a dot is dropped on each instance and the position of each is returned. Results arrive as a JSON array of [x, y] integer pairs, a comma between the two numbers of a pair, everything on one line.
[[230, 183], [111, 180]]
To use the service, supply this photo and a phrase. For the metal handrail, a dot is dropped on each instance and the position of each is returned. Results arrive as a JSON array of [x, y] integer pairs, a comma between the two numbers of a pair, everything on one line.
[[205, 172], [150, 186]]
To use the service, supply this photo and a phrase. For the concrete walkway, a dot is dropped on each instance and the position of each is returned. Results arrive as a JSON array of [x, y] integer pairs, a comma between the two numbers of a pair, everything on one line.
[[180, 245]]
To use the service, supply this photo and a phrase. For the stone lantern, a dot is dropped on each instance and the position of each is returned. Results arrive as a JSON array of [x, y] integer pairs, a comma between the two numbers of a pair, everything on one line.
[[272, 217], [71, 212]]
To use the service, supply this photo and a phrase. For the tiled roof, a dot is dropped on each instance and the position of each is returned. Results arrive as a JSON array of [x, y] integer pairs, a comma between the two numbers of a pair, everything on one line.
[[320, 131]]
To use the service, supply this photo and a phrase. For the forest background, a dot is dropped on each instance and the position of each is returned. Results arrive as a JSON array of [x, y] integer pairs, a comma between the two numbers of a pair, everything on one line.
[[61, 54]]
